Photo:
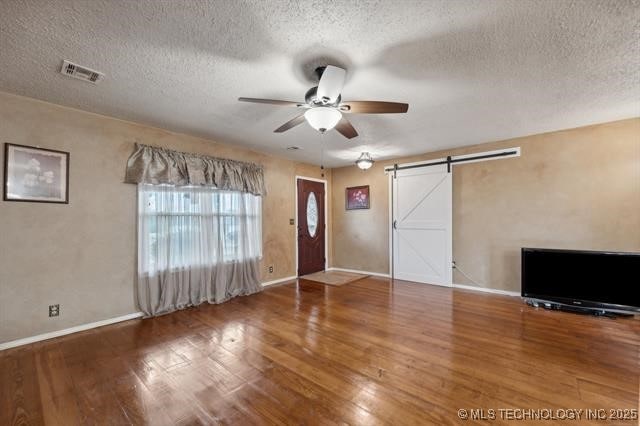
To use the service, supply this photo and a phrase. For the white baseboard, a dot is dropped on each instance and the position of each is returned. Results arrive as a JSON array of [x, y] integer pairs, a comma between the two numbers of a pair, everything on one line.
[[83, 327], [356, 271], [487, 290], [75, 329], [279, 280]]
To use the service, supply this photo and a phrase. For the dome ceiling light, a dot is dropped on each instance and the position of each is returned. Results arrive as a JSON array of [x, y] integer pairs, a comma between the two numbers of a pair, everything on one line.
[[364, 161], [322, 118]]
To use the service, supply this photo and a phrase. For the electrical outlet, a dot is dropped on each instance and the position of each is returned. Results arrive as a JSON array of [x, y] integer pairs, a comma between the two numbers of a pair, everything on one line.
[[271, 269], [54, 310]]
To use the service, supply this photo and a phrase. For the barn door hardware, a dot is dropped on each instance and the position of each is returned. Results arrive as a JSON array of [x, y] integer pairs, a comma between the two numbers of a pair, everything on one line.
[[449, 161]]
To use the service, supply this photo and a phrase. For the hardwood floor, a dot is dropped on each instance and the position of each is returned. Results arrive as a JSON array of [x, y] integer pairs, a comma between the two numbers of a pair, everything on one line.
[[369, 352]]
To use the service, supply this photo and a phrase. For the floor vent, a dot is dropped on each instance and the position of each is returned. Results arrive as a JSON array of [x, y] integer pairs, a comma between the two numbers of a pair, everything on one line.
[[81, 73]]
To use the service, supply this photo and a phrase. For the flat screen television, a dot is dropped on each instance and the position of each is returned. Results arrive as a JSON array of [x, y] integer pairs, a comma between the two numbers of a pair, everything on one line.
[[596, 280]]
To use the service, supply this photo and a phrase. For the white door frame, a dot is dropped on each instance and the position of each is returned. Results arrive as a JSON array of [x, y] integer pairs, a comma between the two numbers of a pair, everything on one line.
[[326, 219], [390, 226]]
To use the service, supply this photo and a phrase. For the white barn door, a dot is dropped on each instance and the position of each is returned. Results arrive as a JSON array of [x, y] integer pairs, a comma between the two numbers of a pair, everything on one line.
[[422, 225]]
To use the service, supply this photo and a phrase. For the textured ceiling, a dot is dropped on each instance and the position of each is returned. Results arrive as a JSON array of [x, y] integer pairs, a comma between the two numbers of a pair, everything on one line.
[[472, 71]]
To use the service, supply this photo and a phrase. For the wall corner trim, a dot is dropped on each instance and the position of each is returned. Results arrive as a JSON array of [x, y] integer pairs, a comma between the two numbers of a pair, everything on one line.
[[279, 280], [356, 271], [70, 330], [487, 290]]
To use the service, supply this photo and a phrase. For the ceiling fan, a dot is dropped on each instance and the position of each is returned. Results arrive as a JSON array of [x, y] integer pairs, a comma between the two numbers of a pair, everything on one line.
[[324, 107]]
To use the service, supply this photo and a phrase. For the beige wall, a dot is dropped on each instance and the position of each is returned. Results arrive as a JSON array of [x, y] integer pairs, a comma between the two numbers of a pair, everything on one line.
[[577, 188], [82, 255]]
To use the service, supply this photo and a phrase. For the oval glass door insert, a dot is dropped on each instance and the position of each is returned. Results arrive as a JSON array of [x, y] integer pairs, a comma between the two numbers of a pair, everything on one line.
[[312, 215]]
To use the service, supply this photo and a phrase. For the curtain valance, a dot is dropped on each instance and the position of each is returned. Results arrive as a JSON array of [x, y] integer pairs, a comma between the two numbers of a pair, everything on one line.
[[154, 165]]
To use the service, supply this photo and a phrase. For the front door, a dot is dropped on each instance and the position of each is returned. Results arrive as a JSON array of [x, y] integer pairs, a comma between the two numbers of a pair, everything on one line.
[[422, 225], [311, 227]]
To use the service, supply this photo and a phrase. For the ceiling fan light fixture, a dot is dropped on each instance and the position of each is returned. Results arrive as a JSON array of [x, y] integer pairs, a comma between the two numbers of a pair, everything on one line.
[[364, 161], [323, 108], [322, 118]]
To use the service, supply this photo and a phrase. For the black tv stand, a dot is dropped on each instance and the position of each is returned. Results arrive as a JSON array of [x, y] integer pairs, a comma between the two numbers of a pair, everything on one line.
[[552, 306]]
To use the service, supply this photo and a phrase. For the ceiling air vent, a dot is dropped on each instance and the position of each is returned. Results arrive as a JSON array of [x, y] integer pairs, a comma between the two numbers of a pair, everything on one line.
[[81, 73]]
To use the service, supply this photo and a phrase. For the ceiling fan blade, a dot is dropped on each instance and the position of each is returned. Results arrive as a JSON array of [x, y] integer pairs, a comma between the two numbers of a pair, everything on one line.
[[290, 124], [273, 102], [330, 85], [373, 107], [346, 129]]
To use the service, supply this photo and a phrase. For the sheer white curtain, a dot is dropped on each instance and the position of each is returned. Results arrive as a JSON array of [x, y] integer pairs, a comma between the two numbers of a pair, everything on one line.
[[196, 244]]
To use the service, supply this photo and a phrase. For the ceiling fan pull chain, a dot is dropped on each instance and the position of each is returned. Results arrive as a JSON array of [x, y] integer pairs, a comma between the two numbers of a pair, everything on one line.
[[322, 154]]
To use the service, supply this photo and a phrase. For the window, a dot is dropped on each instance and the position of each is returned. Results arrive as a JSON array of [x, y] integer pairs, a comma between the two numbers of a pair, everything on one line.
[[185, 227]]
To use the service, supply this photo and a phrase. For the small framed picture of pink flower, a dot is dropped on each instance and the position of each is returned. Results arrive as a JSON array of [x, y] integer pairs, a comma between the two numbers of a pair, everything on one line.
[[357, 197]]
